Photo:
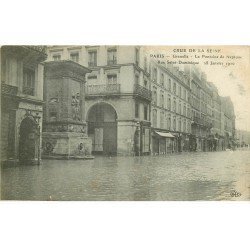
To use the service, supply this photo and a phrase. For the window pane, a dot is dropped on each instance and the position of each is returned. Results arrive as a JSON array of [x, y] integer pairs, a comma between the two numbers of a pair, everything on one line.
[[92, 58]]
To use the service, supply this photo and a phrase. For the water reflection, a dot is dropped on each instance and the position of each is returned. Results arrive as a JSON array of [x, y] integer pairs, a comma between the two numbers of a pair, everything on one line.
[[192, 176]]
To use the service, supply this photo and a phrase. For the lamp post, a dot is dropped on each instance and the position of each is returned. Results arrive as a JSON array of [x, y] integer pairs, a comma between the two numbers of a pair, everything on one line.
[[37, 119]]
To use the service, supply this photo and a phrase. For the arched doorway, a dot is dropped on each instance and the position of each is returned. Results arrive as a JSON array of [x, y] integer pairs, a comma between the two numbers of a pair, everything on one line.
[[28, 141], [102, 128]]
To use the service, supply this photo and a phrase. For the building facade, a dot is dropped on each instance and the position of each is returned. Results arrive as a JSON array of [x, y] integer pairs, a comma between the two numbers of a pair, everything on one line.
[[242, 138], [217, 136], [200, 100], [137, 106], [118, 96], [21, 103], [170, 109], [228, 122]]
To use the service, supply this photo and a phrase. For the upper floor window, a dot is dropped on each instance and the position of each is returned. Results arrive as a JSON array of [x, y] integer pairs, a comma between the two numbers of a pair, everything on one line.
[[169, 122], [155, 118], [174, 105], [169, 102], [137, 56], [28, 81], [162, 99], [162, 116], [112, 56], [74, 56], [56, 57], [155, 74], [169, 84], [92, 58], [174, 87], [184, 110], [162, 79], [179, 124], [112, 79], [174, 123], [136, 79], [137, 110], [145, 112]]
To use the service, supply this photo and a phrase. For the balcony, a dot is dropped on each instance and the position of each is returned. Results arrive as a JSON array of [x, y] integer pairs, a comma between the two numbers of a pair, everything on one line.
[[103, 89], [202, 122], [92, 64], [28, 91], [40, 49], [142, 92], [9, 89], [112, 62]]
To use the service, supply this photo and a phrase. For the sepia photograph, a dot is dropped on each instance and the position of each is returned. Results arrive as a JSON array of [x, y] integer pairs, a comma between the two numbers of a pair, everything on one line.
[[125, 123]]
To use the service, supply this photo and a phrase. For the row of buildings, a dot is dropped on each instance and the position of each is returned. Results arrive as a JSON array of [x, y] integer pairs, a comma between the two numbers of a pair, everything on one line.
[[124, 101]]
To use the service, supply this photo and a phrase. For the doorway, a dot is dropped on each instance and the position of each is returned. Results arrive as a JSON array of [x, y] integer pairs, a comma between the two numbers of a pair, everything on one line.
[[28, 141], [102, 128]]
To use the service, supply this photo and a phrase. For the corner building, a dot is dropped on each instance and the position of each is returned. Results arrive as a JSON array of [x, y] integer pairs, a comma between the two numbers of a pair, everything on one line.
[[21, 103], [117, 96]]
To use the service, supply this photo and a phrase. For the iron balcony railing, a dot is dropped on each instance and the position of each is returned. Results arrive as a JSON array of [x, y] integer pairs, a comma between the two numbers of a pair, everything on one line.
[[142, 92], [92, 64], [41, 49], [9, 89], [101, 89], [202, 122], [28, 91], [112, 62]]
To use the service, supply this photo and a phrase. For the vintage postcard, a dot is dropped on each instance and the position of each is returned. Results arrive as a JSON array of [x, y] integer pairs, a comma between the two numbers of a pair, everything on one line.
[[116, 123]]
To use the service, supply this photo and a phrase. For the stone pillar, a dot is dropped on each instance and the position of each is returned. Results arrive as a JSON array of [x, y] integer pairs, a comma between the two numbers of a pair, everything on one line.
[[64, 128]]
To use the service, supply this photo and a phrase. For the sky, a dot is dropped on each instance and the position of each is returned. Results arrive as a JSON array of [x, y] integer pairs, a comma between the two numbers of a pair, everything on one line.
[[234, 81]]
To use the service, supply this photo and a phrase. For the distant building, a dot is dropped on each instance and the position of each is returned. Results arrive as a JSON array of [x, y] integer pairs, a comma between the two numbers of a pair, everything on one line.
[[228, 121], [242, 138], [21, 103], [201, 104], [217, 135]]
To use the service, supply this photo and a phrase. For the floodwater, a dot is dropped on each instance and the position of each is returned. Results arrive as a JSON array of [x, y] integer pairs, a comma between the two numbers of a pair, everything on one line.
[[186, 176]]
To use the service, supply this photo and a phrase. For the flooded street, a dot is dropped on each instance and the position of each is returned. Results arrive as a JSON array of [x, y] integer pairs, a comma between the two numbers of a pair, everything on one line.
[[187, 176]]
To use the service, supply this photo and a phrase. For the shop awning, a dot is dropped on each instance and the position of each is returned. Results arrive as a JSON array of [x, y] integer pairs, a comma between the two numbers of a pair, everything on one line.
[[167, 135]]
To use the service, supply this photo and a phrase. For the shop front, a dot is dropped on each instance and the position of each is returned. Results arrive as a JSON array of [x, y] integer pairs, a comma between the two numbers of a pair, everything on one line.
[[163, 143]]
